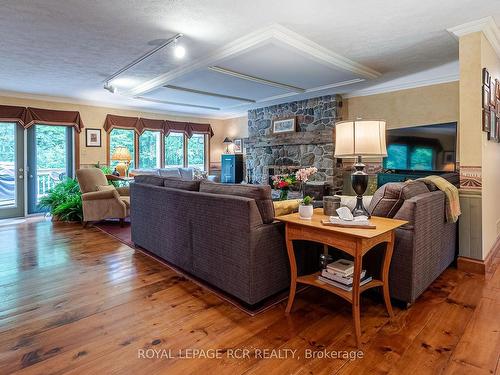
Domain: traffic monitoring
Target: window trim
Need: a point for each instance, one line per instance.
(207, 140)
(162, 147)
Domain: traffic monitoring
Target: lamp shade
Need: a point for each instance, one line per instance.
(121, 153)
(360, 138)
(227, 141)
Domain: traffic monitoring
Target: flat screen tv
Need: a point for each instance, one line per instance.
(422, 148)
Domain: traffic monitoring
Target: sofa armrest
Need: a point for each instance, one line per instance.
(95, 195)
(124, 191)
(418, 245)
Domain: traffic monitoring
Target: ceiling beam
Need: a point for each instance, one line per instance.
(175, 103)
(263, 81)
(207, 93)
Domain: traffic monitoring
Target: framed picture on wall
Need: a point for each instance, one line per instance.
(284, 125)
(238, 146)
(448, 157)
(486, 120)
(493, 92)
(486, 97)
(494, 131)
(92, 137)
(486, 77)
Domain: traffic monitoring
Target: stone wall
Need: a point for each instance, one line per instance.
(312, 144)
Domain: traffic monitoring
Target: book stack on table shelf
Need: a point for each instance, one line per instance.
(340, 274)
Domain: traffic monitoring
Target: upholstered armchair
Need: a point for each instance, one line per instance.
(99, 199)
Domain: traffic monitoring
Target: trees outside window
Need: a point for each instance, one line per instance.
(122, 138)
(150, 149)
(196, 151)
(174, 150)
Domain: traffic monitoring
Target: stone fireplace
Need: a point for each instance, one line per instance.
(312, 145)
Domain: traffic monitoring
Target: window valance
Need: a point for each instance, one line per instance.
(27, 116)
(121, 122)
(9, 113)
(166, 126)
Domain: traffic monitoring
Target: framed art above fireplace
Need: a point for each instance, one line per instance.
(284, 125)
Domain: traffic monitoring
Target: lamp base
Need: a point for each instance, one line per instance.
(359, 180)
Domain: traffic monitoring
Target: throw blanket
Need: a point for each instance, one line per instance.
(452, 198)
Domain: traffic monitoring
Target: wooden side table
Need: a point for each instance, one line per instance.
(355, 242)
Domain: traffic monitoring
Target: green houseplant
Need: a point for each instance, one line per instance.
(64, 201)
(306, 208)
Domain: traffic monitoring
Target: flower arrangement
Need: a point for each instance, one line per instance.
(304, 174)
(283, 183)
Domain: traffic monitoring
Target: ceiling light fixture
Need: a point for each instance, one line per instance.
(109, 87)
(174, 39)
(179, 51)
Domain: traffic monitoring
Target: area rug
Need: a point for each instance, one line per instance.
(123, 235)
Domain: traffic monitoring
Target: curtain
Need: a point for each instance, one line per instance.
(9, 113)
(121, 122)
(53, 117)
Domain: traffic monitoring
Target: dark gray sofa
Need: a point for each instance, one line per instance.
(229, 241)
(425, 246)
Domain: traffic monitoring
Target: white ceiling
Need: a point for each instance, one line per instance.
(65, 48)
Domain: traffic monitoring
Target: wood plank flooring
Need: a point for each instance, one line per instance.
(77, 301)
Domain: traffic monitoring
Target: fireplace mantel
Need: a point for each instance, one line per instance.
(298, 138)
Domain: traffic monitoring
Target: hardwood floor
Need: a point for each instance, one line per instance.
(77, 301)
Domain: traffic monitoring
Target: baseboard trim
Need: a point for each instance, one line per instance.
(478, 266)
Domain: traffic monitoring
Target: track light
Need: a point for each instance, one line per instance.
(109, 87)
(179, 51)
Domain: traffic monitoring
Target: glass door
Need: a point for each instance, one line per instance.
(50, 160)
(11, 170)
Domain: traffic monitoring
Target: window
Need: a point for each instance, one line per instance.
(174, 150)
(150, 149)
(196, 151)
(122, 138)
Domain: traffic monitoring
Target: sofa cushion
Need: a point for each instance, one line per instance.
(186, 173)
(169, 172)
(149, 179)
(261, 194)
(176, 183)
(389, 198)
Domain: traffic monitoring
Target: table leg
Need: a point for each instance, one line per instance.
(385, 274)
(293, 272)
(356, 295)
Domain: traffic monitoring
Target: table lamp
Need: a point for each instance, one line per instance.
(122, 154)
(356, 139)
(227, 141)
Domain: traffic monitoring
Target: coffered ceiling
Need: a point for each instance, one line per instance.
(240, 54)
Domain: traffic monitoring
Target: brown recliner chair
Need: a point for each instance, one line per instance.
(99, 199)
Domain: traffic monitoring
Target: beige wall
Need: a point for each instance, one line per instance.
(233, 128)
(476, 53)
(418, 106)
(491, 160)
(93, 117)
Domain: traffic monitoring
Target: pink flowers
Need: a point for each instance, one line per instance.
(303, 174)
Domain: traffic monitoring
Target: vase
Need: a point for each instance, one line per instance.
(283, 194)
(306, 211)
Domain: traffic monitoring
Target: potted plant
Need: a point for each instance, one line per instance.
(64, 201)
(283, 184)
(306, 208)
(303, 175)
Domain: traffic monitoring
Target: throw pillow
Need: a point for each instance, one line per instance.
(199, 175)
(286, 207)
(186, 174)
